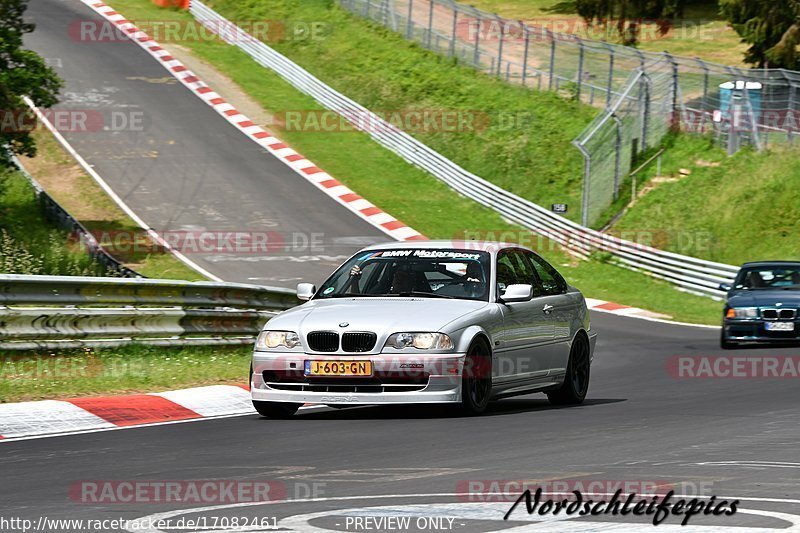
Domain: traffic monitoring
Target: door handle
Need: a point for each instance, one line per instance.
(547, 309)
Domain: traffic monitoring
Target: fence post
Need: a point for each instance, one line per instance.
(430, 24)
(580, 67)
(675, 81)
(525, 53)
(410, 20)
(476, 58)
(617, 154)
(790, 106)
(704, 101)
(611, 57)
(587, 169)
(552, 57)
(367, 5)
(645, 104)
(455, 30)
(500, 46)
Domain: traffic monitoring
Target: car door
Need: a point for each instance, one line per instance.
(523, 354)
(559, 309)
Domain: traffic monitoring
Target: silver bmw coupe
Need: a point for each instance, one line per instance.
(427, 322)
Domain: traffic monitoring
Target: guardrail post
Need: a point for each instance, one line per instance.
(552, 65)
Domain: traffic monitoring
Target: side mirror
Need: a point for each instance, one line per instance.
(305, 291)
(725, 287)
(517, 293)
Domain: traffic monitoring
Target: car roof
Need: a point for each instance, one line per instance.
(770, 263)
(480, 246)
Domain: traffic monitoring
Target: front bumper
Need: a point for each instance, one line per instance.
(279, 377)
(755, 331)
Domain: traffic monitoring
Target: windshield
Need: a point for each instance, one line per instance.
(769, 277)
(426, 273)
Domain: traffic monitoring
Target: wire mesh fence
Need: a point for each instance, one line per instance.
(642, 94)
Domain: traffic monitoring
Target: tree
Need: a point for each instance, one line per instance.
(627, 16)
(22, 73)
(770, 27)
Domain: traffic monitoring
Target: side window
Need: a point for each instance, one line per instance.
(512, 269)
(506, 273)
(551, 281)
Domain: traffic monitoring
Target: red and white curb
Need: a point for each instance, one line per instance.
(635, 312)
(302, 166)
(618, 309)
(44, 418)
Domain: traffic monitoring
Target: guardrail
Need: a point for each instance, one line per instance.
(49, 312)
(696, 275)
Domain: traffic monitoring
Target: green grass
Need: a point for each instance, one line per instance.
(702, 32)
(29, 243)
(401, 189)
(728, 209)
(33, 376)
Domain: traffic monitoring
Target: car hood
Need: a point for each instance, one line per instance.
(381, 315)
(764, 297)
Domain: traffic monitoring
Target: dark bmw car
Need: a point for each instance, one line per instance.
(763, 305)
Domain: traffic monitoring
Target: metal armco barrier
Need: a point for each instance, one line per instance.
(696, 275)
(63, 312)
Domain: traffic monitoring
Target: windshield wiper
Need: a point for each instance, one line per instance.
(422, 293)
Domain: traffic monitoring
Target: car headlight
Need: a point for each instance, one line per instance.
(420, 341)
(742, 312)
(268, 339)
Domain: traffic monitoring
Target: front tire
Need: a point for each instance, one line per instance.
(476, 379)
(279, 410)
(725, 344)
(576, 382)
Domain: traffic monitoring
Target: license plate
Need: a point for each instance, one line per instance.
(779, 326)
(338, 368)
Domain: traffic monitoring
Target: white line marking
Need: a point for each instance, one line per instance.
(117, 200)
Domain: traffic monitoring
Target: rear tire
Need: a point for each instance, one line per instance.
(576, 382)
(476, 379)
(279, 410)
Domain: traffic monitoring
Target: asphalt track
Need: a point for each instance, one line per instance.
(181, 167)
(640, 424)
